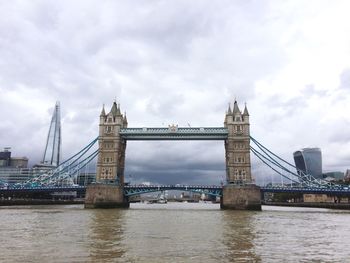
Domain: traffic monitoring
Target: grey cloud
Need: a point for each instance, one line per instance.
(166, 62)
(279, 107)
(340, 134)
(175, 162)
(310, 90)
(345, 79)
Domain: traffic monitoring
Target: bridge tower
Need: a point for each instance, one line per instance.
(239, 191)
(111, 158)
(237, 146)
(109, 188)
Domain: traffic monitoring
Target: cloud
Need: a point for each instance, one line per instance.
(345, 79)
(176, 62)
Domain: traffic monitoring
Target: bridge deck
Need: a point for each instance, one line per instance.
(175, 133)
(212, 190)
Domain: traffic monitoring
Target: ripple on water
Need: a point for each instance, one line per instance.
(173, 233)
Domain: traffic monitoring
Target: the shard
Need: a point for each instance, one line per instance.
(52, 153)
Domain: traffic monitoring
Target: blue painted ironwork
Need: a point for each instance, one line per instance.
(175, 133)
(301, 183)
(66, 170)
(210, 190)
(130, 190)
(291, 172)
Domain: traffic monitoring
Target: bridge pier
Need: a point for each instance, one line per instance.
(241, 197)
(108, 192)
(105, 196)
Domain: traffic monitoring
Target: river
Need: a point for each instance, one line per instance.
(173, 232)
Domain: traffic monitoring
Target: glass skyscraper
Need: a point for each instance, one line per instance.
(309, 161)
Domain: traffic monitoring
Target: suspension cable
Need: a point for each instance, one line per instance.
(260, 156)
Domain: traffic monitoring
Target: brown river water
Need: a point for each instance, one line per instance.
(173, 232)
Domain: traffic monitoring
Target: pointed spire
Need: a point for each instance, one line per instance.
(235, 108)
(245, 113)
(229, 111)
(103, 112)
(118, 109)
(125, 120)
(114, 109)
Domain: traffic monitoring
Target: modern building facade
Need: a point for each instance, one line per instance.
(309, 161)
(13, 169)
(333, 176)
(5, 157)
(84, 179)
(6, 160)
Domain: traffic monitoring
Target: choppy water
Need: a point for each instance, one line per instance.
(173, 232)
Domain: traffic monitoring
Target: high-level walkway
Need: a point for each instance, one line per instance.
(175, 133)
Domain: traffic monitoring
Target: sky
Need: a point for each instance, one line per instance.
(178, 62)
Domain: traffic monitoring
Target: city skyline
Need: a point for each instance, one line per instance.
(289, 61)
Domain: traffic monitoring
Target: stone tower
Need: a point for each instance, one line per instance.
(111, 157)
(237, 146)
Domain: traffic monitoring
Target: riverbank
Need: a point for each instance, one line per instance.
(15, 202)
(345, 206)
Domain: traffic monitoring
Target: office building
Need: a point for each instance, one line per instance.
(309, 161)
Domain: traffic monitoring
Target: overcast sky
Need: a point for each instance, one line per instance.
(178, 62)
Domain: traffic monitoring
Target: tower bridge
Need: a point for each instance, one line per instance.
(239, 191)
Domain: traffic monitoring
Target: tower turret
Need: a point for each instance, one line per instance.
(125, 121)
(118, 110)
(236, 110)
(229, 111)
(103, 112)
(114, 109)
(245, 113)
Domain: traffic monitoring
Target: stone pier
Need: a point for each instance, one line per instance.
(241, 197)
(105, 196)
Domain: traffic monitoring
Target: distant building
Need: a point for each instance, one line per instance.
(13, 169)
(7, 161)
(19, 162)
(5, 157)
(333, 176)
(309, 161)
(53, 148)
(12, 175)
(347, 175)
(84, 179)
